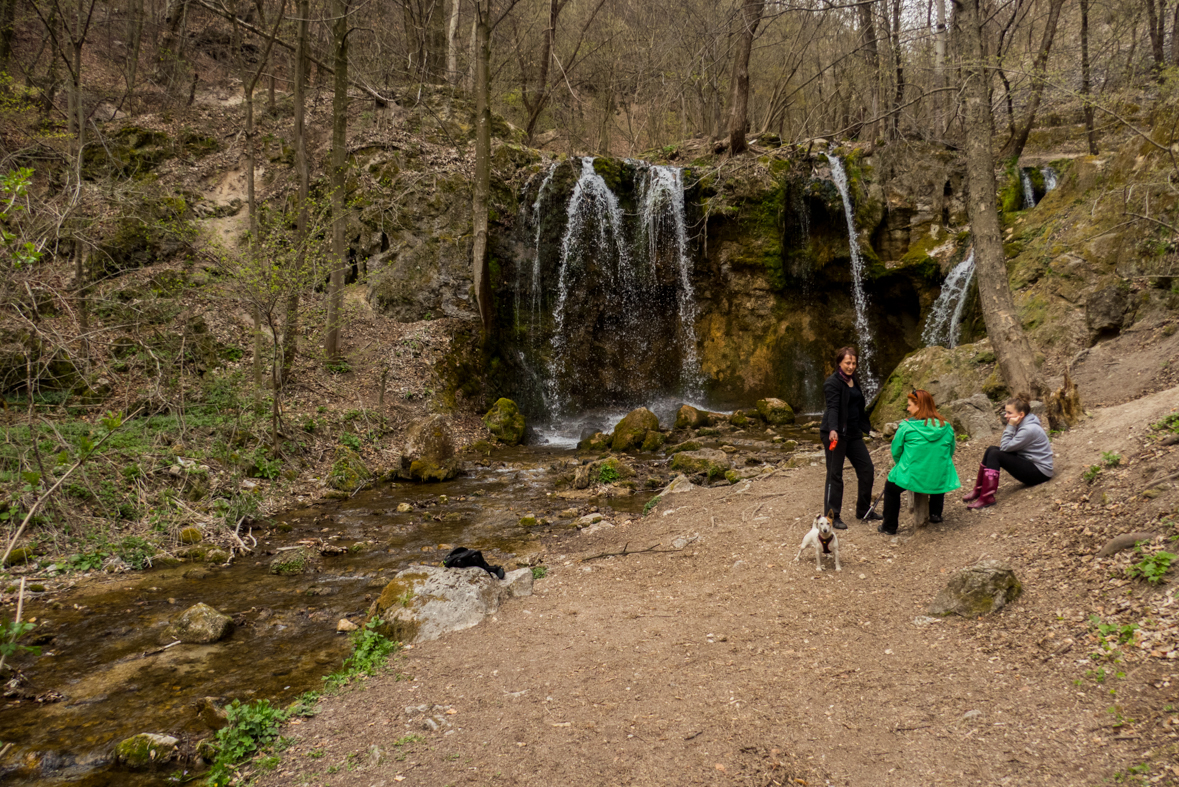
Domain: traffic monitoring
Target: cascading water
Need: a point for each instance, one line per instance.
(1049, 178)
(535, 299)
(1029, 194)
(665, 228)
(863, 330)
(944, 324)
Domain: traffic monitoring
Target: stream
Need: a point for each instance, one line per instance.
(104, 675)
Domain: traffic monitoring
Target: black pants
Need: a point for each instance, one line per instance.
(855, 452)
(1021, 469)
(892, 506)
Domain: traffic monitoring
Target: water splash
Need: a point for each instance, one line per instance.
(944, 324)
(593, 233)
(863, 331)
(665, 228)
(1050, 181)
(1029, 194)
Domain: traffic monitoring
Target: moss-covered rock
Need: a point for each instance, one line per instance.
(146, 750)
(19, 556)
(429, 454)
(948, 374)
(653, 441)
(632, 430)
(775, 411)
(598, 441)
(199, 624)
(977, 590)
(739, 419)
(348, 471)
(293, 562)
(710, 462)
(191, 535)
(505, 421)
(689, 445)
(689, 417)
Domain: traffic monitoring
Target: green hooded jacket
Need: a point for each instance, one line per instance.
(924, 456)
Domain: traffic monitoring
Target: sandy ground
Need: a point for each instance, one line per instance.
(727, 662)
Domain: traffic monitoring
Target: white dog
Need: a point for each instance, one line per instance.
(823, 539)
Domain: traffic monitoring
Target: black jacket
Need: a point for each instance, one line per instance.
(837, 393)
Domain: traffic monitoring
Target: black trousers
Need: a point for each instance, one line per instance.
(1021, 469)
(892, 506)
(857, 453)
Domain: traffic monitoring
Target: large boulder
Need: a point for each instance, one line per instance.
(987, 586)
(948, 374)
(429, 453)
(424, 602)
(145, 750)
(975, 416)
(632, 430)
(689, 417)
(505, 421)
(775, 411)
(199, 624)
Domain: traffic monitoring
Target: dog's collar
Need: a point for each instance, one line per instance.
(826, 542)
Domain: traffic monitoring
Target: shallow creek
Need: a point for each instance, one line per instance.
(104, 675)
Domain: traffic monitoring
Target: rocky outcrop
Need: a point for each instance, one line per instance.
(689, 417)
(429, 453)
(948, 374)
(1105, 312)
(199, 624)
(424, 602)
(505, 421)
(976, 590)
(974, 416)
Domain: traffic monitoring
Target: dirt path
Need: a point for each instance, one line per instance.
(728, 663)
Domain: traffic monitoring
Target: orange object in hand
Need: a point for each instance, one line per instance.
(833, 444)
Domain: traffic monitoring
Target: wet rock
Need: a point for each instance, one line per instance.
(145, 750)
(976, 590)
(528, 521)
(689, 417)
(199, 624)
(216, 556)
(739, 419)
(348, 471)
(404, 508)
(598, 441)
(292, 562)
(653, 441)
(191, 535)
(344, 626)
(974, 416)
(678, 485)
(211, 713)
(505, 421)
(429, 452)
(632, 430)
(775, 411)
(208, 749)
(690, 445)
(424, 602)
(518, 583)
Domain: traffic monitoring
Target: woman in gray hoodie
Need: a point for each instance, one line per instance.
(1023, 451)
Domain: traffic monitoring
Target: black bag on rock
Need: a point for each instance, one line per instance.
(461, 557)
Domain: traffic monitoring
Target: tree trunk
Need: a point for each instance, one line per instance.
(899, 64)
(1004, 328)
(1090, 130)
(452, 74)
(290, 337)
(331, 344)
(751, 13)
(939, 70)
(1015, 147)
(135, 35)
(872, 59)
(81, 288)
(481, 199)
(1156, 28)
(7, 28)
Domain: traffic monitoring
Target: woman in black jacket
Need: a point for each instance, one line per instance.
(845, 422)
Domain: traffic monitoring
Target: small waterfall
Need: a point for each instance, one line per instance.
(944, 324)
(534, 312)
(593, 208)
(1029, 194)
(1049, 178)
(863, 330)
(665, 228)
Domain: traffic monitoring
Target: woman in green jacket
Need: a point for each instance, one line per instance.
(923, 450)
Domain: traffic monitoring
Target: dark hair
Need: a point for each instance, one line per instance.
(925, 406)
(1020, 403)
(843, 352)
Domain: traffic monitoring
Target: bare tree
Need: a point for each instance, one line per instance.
(1016, 143)
(751, 12)
(331, 343)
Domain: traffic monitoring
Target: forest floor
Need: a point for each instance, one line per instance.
(728, 662)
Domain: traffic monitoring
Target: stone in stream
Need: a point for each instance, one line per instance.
(293, 561)
(199, 624)
(429, 453)
(976, 590)
(775, 411)
(145, 750)
(424, 602)
(689, 417)
(632, 430)
(505, 421)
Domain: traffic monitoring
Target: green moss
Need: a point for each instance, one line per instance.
(653, 441)
(348, 471)
(505, 421)
(610, 170)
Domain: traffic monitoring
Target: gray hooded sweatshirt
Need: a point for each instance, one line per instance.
(1029, 440)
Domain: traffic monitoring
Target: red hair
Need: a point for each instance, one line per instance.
(925, 407)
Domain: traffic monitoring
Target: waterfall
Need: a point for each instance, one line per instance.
(665, 228)
(593, 208)
(1049, 178)
(534, 312)
(863, 331)
(1029, 195)
(944, 324)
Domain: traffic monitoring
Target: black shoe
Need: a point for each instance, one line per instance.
(499, 572)
(935, 519)
(838, 524)
(881, 529)
(871, 516)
